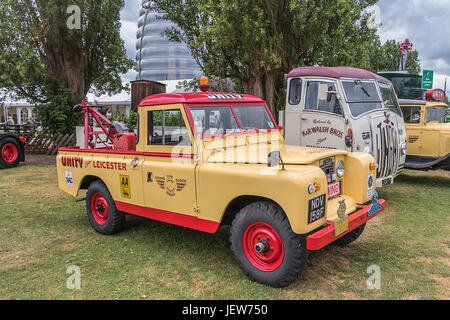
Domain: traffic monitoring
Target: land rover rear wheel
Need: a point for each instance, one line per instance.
(265, 247)
(101, 209)
(351, 236)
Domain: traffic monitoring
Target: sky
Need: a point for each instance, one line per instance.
(425, 22)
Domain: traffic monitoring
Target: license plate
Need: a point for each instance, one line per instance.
(341, 226)
(316, 209)
(334, 189)
(386, 182)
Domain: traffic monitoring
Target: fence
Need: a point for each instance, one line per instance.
(47, 144)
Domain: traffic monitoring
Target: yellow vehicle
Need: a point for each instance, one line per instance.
(428, 134)
(202, 160)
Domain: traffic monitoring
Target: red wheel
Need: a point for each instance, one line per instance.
(102, 211)
(9, 153)
(263, 247)
(99, 207)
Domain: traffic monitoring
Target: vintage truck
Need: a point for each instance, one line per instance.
(202, 160)
(347, 109)
(428, 132)
(12, 150)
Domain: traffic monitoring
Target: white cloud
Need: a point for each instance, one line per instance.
(427, 25)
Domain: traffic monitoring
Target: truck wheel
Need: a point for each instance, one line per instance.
(351, 236)
(265, 247)
(101, 209)
(9, 153)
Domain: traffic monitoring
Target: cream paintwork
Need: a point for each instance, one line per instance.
(297, 120)
(215, 178)
(433, 137)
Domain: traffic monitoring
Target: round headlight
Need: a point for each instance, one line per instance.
(404, 148)
(340, 170)
(312, 189)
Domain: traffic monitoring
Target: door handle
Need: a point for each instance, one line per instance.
(149, 177)
(303, 118)
(135, 163)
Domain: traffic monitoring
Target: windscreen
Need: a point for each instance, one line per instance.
(211, 120)
(435, 114)
(389, 98)
(253, 118)
(214, 120)
(362, 96)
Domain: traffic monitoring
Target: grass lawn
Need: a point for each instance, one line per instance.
(43, 232)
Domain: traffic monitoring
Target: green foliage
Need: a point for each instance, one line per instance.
(57, 116)
(254, 43)
(387, 57)
(131, 119)
(37, 48)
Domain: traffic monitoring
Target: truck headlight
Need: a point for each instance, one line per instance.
(340, 170)
(404, 148)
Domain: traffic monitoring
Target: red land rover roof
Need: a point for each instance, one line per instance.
(198, 98)
(336, 73)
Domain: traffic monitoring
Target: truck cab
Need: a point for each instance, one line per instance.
(346, 109)
(428, 134)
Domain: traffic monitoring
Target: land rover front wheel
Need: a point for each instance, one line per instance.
(265, 247)
(101, 209)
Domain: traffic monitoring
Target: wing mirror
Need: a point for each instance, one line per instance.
(330, 95)
(274, 159)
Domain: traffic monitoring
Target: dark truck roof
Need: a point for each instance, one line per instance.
(336, 73)
(411, 102)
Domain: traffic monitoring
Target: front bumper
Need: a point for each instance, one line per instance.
(326, 236)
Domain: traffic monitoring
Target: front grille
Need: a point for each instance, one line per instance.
(388, 152)
(328, 167)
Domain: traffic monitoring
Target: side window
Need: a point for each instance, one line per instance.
(411, 114)
(295, 91)
(321, 96)
(167, 128)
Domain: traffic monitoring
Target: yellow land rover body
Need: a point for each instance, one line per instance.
(203, 160)
(428, 134)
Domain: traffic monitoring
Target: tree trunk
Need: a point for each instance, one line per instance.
(263, 87)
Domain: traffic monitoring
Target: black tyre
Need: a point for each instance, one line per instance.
(10, 153)
(351, 236)
(265, 247)
(101, 209)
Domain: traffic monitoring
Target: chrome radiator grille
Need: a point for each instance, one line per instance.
(388, 152)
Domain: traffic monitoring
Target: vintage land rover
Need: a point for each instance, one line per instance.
(346, 109)
(202, 160)
(428, 132)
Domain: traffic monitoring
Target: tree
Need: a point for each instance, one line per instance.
(254, 43)
(42, 48)
(387, 57)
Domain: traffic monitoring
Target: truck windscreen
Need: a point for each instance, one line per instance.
(253, 118)
(389, 99)
(210, 121)
(362, 96)
(435, 114)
